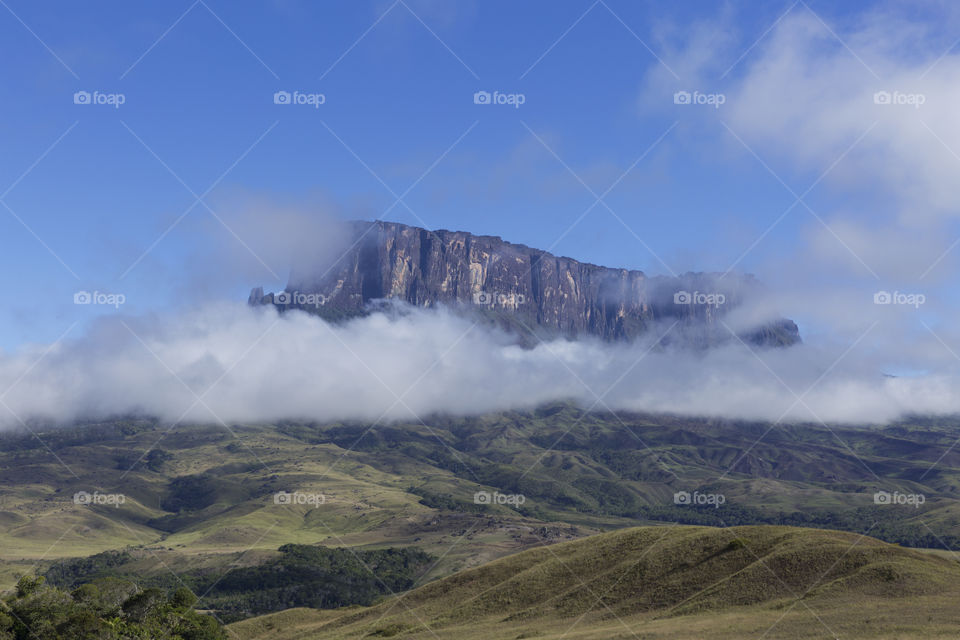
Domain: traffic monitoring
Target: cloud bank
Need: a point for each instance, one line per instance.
(234, 363)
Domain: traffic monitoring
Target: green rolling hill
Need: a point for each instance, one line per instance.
(199, 500)
(665, 582)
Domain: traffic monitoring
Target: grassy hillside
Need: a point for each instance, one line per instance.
(199, 499)
(207, 501)
(665, 582)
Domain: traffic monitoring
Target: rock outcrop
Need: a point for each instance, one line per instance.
(527, 290)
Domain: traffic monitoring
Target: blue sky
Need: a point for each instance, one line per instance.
(94, 187)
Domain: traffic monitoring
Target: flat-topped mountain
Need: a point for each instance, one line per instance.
(520, 288)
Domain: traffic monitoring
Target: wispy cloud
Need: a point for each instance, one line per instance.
(257, 366)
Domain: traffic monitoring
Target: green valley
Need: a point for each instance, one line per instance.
(208, 506)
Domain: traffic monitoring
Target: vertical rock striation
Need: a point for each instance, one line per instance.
(519, 288)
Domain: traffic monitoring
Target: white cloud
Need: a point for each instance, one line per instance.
(251, 364)
(809, 98)
(805, 100)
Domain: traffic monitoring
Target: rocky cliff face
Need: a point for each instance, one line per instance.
(519, 288)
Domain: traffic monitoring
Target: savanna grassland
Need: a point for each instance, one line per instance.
(397, 512)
